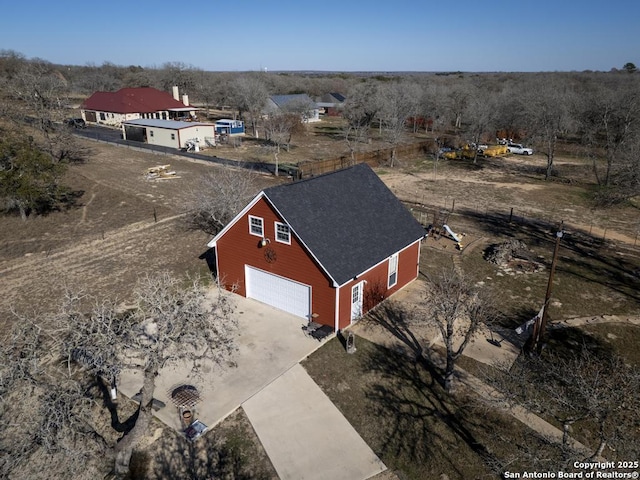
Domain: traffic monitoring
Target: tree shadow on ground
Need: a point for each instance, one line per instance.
(209, 256)
(567, 342)
(335, 133)
(119, 426)
(214, 455)
(581, 256)
(70, 199)
(422, 423)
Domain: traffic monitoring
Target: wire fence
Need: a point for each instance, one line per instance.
(595, 233)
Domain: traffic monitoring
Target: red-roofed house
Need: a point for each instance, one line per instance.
(114, 108)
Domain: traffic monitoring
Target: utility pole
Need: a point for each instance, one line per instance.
(539, 328)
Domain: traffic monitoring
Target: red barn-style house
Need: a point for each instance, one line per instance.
(326, 249)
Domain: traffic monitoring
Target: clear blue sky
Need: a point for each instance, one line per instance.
(347, 35)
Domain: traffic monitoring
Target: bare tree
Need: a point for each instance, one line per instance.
(218, 197)
(481, 113)
(46, 412)
(11, 62)
(399, 102)
(360, 109)
(434, 107)
(457, 308)
(605, 389)
(167, 324)
(548, 116)
(610, 117)
(355, 134)
(250, 95)
(458, 97)
(625, 180)
(42, 89)
(39, 95)
(581, 386)
(278, 130)
(47, 370)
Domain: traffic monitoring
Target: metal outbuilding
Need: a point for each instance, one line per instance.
(169, 133)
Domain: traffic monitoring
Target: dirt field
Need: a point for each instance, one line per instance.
(123, 226)
(514, 182)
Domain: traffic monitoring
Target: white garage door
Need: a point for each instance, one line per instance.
(279, 292)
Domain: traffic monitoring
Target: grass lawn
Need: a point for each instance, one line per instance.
(420, 432)
(408, 420)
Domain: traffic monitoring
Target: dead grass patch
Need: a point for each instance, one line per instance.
(417, 429)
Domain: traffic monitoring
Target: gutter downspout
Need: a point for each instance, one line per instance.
(337, 311)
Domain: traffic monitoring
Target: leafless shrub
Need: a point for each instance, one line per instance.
(582, 390)
(218, 198)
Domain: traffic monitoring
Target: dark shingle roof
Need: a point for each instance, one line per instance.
(348, 219)
(132, 100)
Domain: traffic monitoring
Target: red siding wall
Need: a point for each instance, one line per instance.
(238, 248)
(376, 279)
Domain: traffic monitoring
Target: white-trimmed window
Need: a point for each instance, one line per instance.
(283, 233)
(393, 270)
(256, 226)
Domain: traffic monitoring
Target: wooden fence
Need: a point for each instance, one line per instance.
(374, 158)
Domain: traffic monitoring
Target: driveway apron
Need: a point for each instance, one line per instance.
(305, 435)
(269, 343)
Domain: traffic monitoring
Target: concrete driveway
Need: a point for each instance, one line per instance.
(270, 342)
(305, 435)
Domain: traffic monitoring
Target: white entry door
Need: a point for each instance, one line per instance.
(279, 292)
(356, 301)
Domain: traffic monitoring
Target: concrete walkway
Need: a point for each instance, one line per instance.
(305, 435)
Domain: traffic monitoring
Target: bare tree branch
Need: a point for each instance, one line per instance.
(218, 198)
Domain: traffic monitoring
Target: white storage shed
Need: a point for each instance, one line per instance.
(169, 133)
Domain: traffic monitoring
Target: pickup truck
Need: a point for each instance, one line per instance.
(519, 149)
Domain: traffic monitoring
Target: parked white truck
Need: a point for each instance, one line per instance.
(519, 149)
